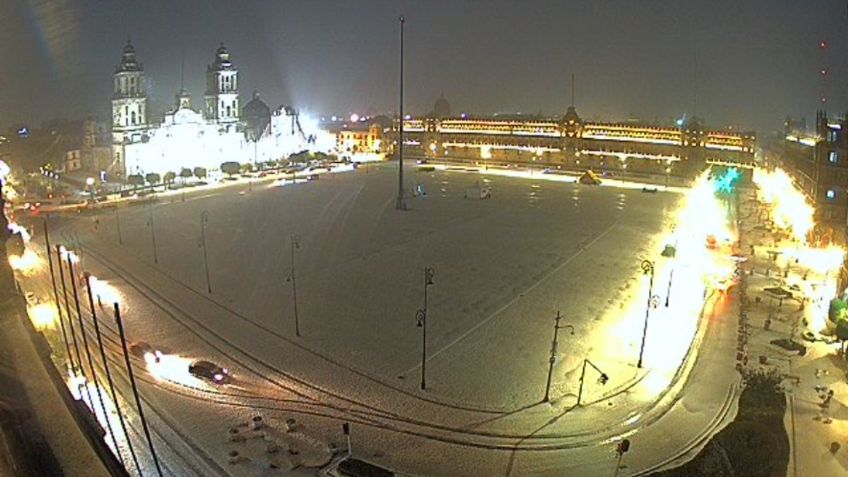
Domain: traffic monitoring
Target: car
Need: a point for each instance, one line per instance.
(146, 351)
(209, 371)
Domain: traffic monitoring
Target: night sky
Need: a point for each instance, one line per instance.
(753, 61)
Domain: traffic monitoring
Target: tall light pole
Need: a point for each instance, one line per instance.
(204, 218)
(68, 313)
(421, 322)
(401, 200)
(146, 429)
(647, 269)
(109, 380)
(153, 235)
(56, 294)
(668, 292)
(90, 361)
(118, 226)
(295, 243)
(552, 359)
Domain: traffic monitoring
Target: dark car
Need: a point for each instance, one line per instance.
(146, 351)
(209, 371)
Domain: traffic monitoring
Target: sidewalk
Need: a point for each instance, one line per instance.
(770, 319)
(42, 400)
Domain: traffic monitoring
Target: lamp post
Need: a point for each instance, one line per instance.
(90, 361)
(109, 379)
(603, 378)
(131, 376)
(552, 359)
(89, 182)
(56, 294)
(118, 226)
(79, 369)
(668, 292)
(401, 200)
(647, 269)
(295, 243)
(153, 235)
(421, 322)
(204, 218)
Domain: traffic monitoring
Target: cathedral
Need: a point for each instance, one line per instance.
(186, 138)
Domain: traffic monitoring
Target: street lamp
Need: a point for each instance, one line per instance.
(552, 359)
(421, 322)
(602, 379)
(295, 243)
(647, 269)
(118, 226)
(204, 218)
(153, 235)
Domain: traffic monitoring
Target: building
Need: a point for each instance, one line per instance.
(570, 142)
(186, 138)
(818, 163)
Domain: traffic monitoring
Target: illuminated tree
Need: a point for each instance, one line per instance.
(230, 168)
(135, 180)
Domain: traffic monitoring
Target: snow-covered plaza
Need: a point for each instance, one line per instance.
(503, 268)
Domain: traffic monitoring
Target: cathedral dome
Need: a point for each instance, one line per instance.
(257, 116)
(442, 108)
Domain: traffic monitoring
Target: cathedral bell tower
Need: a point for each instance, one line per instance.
(222, 102)
(129, 107)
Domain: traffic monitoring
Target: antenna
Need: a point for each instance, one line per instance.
(695, 87)
(572, 90)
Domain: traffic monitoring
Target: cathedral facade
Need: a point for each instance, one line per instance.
(186, 138)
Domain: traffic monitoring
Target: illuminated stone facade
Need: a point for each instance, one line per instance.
(186, 138)
(572, 143)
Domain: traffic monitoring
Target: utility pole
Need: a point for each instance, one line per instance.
(552, 359)
(135, 389)
(421, 319)
(71, 322)
(295, 243)
(153, 235)
(91, 362)
(109, 379)
(118, 226)
(647, 269)
(668, 292)
(56, 295)
(401, 200)
(204, 218)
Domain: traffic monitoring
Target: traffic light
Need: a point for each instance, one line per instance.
(623, 446)
(603, 379)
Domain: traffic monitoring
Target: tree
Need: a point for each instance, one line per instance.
(135, 180)
(200, 172)
(153, 178)
(169, 177)
(230, 168)
(842, 332)
(185, 173)
(245, 168)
